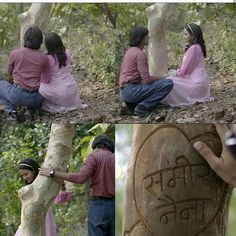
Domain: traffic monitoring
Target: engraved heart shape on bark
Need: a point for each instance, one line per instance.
(175, 192)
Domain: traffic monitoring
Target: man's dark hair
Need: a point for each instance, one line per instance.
(136, 36)
(56, 48)
(33, 38)
(102, 141)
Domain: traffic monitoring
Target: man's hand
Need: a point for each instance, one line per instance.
(45, 171)
(224, 166)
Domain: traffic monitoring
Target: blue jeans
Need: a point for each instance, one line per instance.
(13, 96)
(147, 95)
(101, 218)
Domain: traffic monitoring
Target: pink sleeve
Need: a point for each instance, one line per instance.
(143, 69)
(86, 171)
(190, 59)
(62, 196)
(68, 56)
(46, 75)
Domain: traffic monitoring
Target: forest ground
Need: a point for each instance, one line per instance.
(104, 106)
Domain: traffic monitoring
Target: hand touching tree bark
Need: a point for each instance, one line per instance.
(225, 165)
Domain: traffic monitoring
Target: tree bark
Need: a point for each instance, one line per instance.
(170, 189)
(158, 16)
(36, 15)
(38, 196)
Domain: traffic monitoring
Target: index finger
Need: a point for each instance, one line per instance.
(221, 130)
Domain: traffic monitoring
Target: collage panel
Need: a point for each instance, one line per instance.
(57, 62)
(175, 179)
(57, 180)
(178, 63)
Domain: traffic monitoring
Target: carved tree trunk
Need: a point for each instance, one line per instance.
(36, 15)
(170, 189)
(38, 196)
(158, 17)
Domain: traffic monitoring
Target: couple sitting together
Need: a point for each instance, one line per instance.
(38, 79)
(142, 92)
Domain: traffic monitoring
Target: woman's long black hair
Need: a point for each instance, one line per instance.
(196, 33)
(56, 48)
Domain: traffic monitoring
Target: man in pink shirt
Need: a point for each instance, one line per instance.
(25, 67)
(99, 168)
(140, 91)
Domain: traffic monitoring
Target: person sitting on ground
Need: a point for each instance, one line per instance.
(58, 86)
(25, 67)
(140, 91)
(29, 169)
(191, 82)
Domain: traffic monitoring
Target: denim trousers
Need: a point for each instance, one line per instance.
(101, 218)
(147, 95)
(12, 96)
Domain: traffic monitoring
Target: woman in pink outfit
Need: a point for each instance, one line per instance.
(191, 82)
(28, 169)
(58, 86)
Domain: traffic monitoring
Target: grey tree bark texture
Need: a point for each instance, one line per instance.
(37, 197)
(158, 15)
(37, 15)
(170, 189)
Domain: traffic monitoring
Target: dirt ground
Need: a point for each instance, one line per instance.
(221, 110)
(104, 105)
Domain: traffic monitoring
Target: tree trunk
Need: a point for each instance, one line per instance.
(36, 15)
(158, 17)
(170, 189)
(38, 196)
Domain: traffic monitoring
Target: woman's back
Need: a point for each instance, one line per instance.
(61, 93)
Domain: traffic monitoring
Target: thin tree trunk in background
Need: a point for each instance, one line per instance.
(158, 16)
(170, 189)
(20, 7)
(37, 15)
(38, 196)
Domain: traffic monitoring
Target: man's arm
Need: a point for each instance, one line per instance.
(144, 70)
(224, 166)
(85, 172)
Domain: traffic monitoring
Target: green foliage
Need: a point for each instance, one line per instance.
(30, 141)
(219, 28)
(92, 44)
(17, 142)
(99, 32)
(9, 25)
(84, 145)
